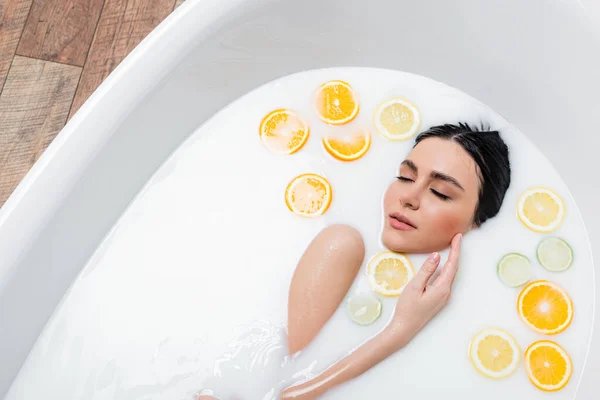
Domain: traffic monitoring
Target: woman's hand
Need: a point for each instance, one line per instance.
(421, 300)
(418, 304)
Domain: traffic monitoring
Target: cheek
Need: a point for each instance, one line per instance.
(448, 219)
(450, 224)
(389, 196)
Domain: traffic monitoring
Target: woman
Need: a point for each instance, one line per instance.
(453, 180)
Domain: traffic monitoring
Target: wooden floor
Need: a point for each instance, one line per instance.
(53, 55)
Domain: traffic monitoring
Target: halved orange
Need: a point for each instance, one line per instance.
(545, 307)
(548, 365)
(308, 195)
(283, 131)
(337, 103)
(348, 148)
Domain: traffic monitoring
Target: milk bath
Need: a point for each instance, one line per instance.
(189, 289)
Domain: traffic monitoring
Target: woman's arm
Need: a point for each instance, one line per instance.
(417, 305)
(323, 276)
(387, 342)
(321, 279)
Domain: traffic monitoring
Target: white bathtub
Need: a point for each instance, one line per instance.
(536, 62)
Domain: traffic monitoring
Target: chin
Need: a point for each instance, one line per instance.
(408, 242)
(397, 241)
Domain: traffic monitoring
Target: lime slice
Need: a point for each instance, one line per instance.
(514, 270)
(554, 254)
(364, 309)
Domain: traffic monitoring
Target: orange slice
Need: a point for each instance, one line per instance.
(389, 273)
(283, 131)
(308, 195)
(545, 307)
(494, 353)
(337, 104)
(348, 148)
(541, 209)
(548, 365)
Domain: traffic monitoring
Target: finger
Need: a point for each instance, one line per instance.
(451, 267)
(427, 270)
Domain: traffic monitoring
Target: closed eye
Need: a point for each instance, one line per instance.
(435, 192)
(440, 195)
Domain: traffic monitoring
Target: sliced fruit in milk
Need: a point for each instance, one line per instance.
(348, 147)
(548, 365)
(554, 254)
(363, 308)
(541, 209)
(514, 270)
(494, 353)
(397, 119)
(389, 273)
(336, 102)
(308, 195)
(283, 131)
(545, 307)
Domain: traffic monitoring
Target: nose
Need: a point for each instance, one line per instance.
(410, 197)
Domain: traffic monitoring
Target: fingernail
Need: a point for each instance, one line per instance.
(433, 257)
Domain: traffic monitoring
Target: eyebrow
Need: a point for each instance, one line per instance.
(434, 175)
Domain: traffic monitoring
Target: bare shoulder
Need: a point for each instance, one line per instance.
(321, 279)
(342, 237)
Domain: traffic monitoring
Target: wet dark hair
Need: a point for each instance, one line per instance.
(490, 153)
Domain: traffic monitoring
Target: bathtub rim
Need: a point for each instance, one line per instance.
(94, 124)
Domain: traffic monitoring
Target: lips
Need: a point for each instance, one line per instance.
(401, 222)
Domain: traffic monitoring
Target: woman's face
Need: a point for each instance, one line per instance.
(433, 199)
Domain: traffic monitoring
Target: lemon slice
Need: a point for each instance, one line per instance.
(308, 195)
(541, 209)
(389, 273)
(397, 119)
(494, 353)
(364, 309)
(554, 254)
(548, 365)
(514, 270)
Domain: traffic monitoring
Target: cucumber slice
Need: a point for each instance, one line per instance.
(514, 269)
(364, 309)
(554, 254)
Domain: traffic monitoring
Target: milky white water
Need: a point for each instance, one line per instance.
(189, 290)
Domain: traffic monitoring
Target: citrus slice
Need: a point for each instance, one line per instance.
(283, 131)
(397, 119)
(494, 353)
(541, 209)
(514, 270)
(389, 273)
(348, 148)
(548, 365)
(364, 309)
(554, 254)
(337, 104)
(545, 307)
(308, 195)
